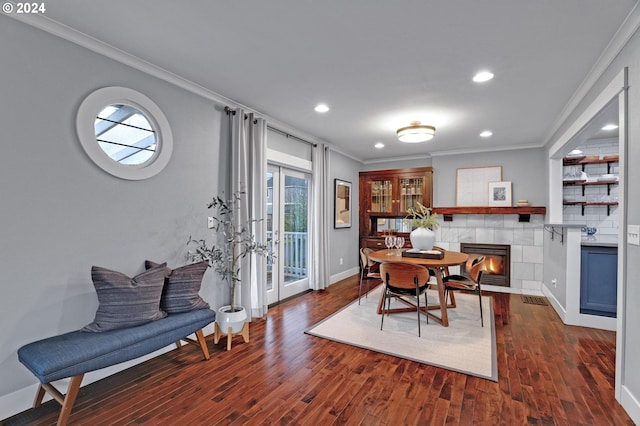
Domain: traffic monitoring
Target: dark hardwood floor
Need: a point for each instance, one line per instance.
(549, 374)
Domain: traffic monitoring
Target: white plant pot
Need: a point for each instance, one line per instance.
(226, 318)
(422, 238)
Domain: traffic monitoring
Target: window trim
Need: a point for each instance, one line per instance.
(96, 102)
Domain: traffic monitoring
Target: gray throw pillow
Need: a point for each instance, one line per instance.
(181, 287)
(124, 301)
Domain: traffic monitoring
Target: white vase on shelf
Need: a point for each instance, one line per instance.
(422, 238)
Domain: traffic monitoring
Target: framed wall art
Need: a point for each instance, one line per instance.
(342, 204)
(500, 194)
(471, 184)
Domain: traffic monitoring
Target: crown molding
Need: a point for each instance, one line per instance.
(487, 149)
(389, 159)
(44, 23)
(615, 46)
(79, 38)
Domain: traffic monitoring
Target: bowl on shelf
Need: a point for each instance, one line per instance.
(589, 230)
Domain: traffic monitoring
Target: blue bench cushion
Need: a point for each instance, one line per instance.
(79, 352)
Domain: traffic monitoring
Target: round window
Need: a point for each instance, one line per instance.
(124, 133)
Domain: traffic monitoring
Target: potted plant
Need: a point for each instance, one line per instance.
(234, 242)
(424, 222)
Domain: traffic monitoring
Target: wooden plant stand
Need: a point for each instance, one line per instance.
(217, 334)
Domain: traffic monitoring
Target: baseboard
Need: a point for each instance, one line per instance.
(344, 275)
(501, 289)
(562, 313)
(631, 404)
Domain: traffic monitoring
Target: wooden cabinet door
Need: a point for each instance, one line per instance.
(390, 193)
(381, 195)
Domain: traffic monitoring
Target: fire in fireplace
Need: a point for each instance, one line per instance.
(497, 265)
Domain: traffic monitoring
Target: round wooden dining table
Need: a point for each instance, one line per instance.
(438, 266)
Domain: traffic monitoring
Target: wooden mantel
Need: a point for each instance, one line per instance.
(524, 213)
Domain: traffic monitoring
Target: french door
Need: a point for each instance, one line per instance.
(287, 232)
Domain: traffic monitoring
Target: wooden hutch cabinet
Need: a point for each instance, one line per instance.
(386, 195)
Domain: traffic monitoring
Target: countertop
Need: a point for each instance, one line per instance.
(600, 240)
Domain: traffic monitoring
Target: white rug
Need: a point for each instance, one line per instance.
(465, 346)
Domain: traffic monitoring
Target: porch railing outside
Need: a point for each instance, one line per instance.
(295, 254)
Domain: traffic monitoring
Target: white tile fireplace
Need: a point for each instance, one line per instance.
(524, 238)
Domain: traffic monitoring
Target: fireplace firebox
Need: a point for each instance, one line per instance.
(497, 269)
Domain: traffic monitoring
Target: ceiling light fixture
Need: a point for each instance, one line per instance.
(610, 127)
(321, 108)
(486, 134)
(416, 132)
(483, 76)
(379, 145)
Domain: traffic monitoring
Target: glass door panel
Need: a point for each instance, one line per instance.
(381, 196)
(410, 193)
(287, 224)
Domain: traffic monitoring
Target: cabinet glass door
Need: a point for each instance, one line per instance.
(381, 196)
(410, 193)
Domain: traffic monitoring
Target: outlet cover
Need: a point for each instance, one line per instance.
(210, 222)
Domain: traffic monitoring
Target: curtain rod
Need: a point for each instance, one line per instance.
(230, 111)
(291, 136)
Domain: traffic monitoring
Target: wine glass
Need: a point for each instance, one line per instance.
(399, 243)
(389, 241)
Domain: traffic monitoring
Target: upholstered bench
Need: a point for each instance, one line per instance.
(78, 352)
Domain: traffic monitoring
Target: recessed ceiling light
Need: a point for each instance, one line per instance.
(486, 134)
(610, 127)
(321, 108)
(482, 76)
(379, 145)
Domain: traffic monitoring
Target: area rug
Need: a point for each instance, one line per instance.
(465, 346)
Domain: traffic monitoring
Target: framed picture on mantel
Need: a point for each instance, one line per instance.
(471, 185)
(500, 194)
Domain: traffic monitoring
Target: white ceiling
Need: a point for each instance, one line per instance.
(378, 64)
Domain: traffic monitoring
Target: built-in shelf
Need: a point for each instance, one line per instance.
(609, 204)
(581, 161)
(584, 183)
(524, 213)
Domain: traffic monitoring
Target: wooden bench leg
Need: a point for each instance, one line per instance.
(39, 395)
(66, 401)
(200, 342)
(203, 343)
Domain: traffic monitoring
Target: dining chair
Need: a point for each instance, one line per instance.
(475, 267)
(368, 270)
(402, 279)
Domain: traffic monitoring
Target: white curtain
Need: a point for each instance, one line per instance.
(248, 175)
(321, 215)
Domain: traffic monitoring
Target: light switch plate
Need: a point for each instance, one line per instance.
(633, 234)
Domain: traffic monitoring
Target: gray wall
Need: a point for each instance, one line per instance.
(61, 214)
(525, 168)
(344, 242)
(629, 57)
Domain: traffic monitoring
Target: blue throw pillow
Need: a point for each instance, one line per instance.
(181, 287)
(124, 301)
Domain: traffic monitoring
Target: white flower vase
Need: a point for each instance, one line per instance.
(422, 238)
(227, 318)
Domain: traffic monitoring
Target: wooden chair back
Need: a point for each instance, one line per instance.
(403, 274)
(475, 267)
